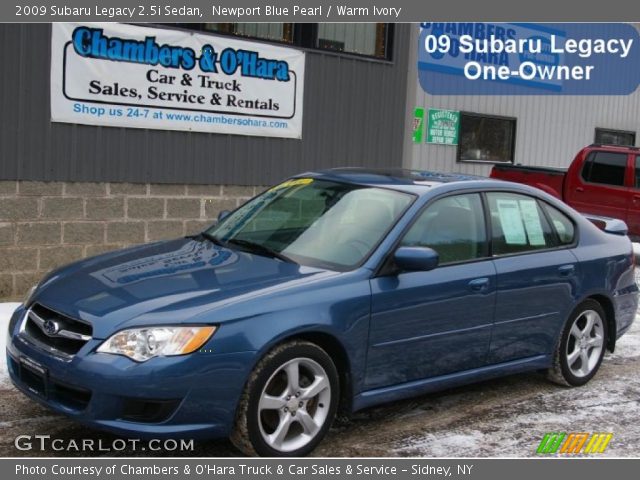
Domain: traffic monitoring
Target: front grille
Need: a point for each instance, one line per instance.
(54, 332)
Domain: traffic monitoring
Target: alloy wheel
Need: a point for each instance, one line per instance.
(294, 404)
(585, 343)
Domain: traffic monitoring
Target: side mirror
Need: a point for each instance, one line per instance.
(416, 259)
(223, 214)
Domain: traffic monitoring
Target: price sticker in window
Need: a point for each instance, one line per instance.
(532, 223)
(511, 221)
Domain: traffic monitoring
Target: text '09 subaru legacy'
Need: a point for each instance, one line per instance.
(331, 292)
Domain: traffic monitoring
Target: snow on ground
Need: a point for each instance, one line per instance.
(6, 309)
(513, 427)
(629, 345)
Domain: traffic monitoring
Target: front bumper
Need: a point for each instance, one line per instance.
(198, 393)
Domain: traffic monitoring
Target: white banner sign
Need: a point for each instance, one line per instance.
(129, 76)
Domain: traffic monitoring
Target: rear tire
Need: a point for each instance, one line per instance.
(288, 403)
(581, 346)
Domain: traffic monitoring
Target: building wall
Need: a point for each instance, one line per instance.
(354, 115)
(549, 129)
(72, 191)
(44, 225)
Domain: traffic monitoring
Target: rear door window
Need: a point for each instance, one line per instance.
(518, 224)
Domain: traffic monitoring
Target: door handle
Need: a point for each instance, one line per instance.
(567, 270)
(579, 189)
(479, 284)
(636, 198)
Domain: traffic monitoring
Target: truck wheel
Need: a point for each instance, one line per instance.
(288, 403)
(581, 346)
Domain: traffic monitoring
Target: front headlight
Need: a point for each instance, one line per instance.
(141, 344)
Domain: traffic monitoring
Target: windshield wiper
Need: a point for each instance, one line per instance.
(208, 236)
(258, 249)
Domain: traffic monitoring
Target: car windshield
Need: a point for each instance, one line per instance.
(314, 222)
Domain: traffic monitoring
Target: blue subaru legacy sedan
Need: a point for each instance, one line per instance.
(331, 292)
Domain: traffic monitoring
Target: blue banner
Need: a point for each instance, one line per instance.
(528, 59)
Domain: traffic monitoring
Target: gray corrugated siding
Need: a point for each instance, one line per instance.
(354, 113)
(549, 129)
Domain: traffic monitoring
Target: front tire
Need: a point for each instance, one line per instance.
(288, 403)
(580, 350)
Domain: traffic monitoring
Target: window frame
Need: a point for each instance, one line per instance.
(614, 131)
(557, 246)
(386, 43)
(305, 38)
(589, 161)
(334, 267)
(514, 120)
(486, 247)
(387, 266)
(201, 27)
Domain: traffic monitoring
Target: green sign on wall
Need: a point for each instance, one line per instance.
(418, 124)
(443, 126)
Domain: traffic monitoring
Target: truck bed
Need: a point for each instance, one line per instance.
(548, 179)
(531, 169)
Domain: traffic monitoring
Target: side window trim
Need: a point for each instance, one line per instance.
(488, 223)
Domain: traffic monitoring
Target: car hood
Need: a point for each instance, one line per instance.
(176, 279)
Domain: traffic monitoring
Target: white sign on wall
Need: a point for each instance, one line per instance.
(130, 76)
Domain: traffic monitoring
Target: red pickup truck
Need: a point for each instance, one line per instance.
(602, 180)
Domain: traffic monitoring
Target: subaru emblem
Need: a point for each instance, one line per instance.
(51, 327)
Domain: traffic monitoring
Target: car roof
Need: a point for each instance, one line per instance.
(413, 181)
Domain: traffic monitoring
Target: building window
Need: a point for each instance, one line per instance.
(605, 167)
(278, 32)
(360, 38)
(605, 136)
(486, 138)
(364, 39)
